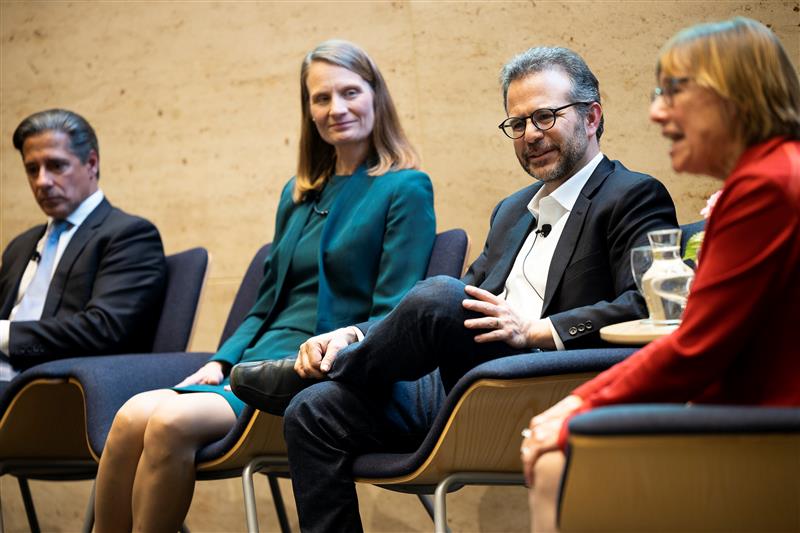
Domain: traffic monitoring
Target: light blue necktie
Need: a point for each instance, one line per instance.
(30, 308)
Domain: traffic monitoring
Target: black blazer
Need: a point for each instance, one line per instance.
(589, 284)
(105, 296)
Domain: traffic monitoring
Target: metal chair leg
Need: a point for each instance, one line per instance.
(440, 505)
(277, 499)
(249, 497)
(466, 478)
(30, 509)
(427, 502)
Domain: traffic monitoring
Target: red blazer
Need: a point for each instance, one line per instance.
(739, 342)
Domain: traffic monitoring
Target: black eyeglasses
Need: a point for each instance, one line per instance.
(668, 89)
(542, 119)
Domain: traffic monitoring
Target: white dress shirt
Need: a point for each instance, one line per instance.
(527, 281)
(75, 219)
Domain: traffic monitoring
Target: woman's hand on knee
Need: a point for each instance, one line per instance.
(210, 373)
(541, 436)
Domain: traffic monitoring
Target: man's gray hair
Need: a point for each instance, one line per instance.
(585, 87)
(82, 139)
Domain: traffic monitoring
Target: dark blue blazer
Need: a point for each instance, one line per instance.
(375, 245)
(589, 284)
(105, 296)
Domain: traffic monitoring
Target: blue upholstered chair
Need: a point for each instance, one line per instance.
(674, 467)
(256, 442)
(469, 444)
(54, 417)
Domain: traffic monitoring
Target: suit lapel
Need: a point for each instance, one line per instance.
(17, 269)
(498, 275)
(572, 232)
(58, 285)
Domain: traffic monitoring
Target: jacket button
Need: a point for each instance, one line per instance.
(573, 330)
(581, 328)
(588, 324)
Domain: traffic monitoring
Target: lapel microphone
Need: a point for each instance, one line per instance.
(545, 231)
(36, 256)
(315, 202)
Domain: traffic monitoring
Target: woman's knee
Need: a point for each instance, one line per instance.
(187, 421)
(128, 427)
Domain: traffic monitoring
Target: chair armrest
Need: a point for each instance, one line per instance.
(109, 381)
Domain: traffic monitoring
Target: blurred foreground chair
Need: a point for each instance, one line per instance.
(54, 417)
(670, 467)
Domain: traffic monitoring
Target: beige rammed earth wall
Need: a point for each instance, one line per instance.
(196, 107)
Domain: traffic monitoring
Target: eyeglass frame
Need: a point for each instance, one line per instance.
(669, 89)
(525, 118)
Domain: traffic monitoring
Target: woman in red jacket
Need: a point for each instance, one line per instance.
(728, 98)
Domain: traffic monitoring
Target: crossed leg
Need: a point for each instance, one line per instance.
(146, 476)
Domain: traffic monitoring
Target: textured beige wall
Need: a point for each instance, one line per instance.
(196, 106)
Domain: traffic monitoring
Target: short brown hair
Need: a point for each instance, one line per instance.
(745, 64)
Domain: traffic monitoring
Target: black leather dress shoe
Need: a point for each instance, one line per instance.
(268, 385)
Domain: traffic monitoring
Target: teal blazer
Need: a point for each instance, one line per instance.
(375, 245)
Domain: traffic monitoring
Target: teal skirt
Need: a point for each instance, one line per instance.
(274, 344)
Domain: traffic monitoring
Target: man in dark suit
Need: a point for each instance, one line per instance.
(91, 280)
(554, 270)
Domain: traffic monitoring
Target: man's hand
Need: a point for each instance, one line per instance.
(209, 374)
(506, 324)
(541, 436)
(316, 355)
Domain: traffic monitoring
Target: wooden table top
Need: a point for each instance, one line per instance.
(634, 332)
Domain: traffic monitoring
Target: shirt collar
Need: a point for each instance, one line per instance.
(567, 193)
(86, 207)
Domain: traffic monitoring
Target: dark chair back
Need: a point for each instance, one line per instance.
(246, 295)
(449, 254)
(186, 275)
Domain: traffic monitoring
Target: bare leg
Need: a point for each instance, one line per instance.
(162, 491)
(543, 496)
(120, 459)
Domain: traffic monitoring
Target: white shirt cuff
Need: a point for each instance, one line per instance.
(556, 338)
(5, 326)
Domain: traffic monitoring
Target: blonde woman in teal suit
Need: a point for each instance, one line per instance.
(353, 233)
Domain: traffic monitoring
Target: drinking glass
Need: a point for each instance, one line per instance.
(641, 260)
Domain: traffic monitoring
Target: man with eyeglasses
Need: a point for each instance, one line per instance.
(554, 270)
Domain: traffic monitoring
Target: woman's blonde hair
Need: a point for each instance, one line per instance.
(390, 148)
(744, 63)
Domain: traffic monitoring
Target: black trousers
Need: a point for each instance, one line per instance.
(383, 396)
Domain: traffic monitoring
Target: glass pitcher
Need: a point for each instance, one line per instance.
(666, 283)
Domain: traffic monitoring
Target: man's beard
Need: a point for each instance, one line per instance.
(571, 152)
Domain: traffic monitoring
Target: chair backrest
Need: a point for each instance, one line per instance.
(246, 295)
(186, 275)
(449, 254)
